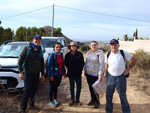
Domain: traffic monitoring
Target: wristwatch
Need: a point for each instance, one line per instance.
(130, 66)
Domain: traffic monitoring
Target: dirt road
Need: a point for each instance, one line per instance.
(138, 99)
(138, 94)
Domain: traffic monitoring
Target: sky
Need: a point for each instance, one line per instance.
(80, 20)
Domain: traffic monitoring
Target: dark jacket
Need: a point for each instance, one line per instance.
(55, 72)
(74, 64)
(31, 65)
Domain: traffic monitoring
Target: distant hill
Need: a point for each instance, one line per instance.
(48, 29)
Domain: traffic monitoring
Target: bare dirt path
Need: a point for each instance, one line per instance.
(138, 94)
(138, 99)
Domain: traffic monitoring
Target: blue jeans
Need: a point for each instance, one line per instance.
(72, 81)
(31, 83)
(120, 83)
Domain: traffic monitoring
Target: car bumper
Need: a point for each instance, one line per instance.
(10, 81)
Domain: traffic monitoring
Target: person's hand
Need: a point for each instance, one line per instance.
(100, 78)
(51, 78)
(42, 78)
(65, 75)
(126, 71)
(85, 74)
(21, 76)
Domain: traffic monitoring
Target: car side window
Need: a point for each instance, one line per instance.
(63, 43)
(59, 41)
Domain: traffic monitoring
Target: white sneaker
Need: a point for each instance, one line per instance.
(56, 101)
(52, 104)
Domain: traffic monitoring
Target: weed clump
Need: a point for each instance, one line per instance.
(143, 59)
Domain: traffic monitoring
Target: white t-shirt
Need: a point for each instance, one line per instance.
(116, 62)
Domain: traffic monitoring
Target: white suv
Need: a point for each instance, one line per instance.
(9, 74)
(48, 43)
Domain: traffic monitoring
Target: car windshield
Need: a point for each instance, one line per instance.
(11, 50)
(48, 42)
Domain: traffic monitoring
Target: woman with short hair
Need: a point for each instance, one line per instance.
(94, 69)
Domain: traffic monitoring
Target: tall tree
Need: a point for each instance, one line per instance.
(21, 34)
(136, 33)
(125, 37)
(5, 34)
(57, 32)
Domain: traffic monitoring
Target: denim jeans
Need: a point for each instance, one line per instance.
(72, 81)
(118, 82)
(31, 83)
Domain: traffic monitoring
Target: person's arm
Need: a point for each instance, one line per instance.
(82, 60)
(101, 65)
(63, 65)
(21, 61)
(42, 69)
(85, 66)
(133, 62)
(66, 60)
(106, 72)
(50, 71)
(42, 65)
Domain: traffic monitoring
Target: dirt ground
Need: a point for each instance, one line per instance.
(138, 94)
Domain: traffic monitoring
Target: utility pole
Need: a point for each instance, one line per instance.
(52, 22)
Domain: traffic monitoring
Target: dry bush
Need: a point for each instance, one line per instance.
(9, 104)
(143, 59)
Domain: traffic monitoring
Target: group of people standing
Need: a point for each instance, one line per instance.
(96, 65)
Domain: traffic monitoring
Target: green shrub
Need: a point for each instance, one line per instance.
(104, 50)
(84, 48)
(143, 59)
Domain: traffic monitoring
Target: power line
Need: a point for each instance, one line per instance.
(25, 13)
(103, 14)
(76, 10)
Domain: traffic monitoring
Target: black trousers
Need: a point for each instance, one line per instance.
(91, 80)
(54, 87)
(31, 83)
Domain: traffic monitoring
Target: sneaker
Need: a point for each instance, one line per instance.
(52, 104)
(34, 108)
(92, 102)
(56, 101)
(96, 105)
(72, 102)
(78, 102)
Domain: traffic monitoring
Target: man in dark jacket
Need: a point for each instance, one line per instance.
(74, 62)
(30, 64)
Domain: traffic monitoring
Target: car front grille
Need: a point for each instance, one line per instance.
(11, 83)
(9, 70)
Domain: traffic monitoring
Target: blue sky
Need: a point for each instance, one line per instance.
(81, 25)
